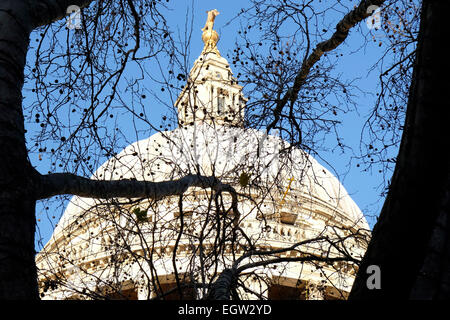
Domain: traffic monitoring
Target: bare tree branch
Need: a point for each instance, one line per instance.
(67, 183)
(350, 20)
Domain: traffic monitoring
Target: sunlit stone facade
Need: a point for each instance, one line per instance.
(136, 249)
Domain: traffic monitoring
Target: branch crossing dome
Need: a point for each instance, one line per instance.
(211, 93)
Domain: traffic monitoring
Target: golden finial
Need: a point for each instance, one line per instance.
(210, 37)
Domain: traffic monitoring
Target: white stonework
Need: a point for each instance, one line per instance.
(291, 198)
(212, 94)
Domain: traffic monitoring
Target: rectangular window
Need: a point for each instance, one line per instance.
(220, 104)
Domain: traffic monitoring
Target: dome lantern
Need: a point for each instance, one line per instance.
(211, 93)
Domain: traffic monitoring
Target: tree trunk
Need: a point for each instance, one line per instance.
(17, 204)
(410, 241)
(222, 287)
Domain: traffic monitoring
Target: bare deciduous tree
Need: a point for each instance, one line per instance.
(80, 83)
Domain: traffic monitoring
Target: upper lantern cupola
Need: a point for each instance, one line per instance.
(211, 93)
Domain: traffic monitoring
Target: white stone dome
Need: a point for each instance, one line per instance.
(284, 197)
(227, 152)
(315, 199)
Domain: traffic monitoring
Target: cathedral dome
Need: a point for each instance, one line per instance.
(228, 152)
(285, 197)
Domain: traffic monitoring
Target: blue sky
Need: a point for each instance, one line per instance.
(362, 186)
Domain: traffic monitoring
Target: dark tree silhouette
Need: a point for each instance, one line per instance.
(411, 238)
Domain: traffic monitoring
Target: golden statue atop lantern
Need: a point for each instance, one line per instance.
(210, 37)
